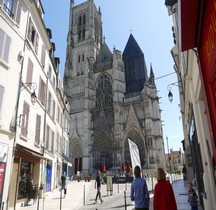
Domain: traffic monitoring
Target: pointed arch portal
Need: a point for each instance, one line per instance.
(102, 152)
(76, 155)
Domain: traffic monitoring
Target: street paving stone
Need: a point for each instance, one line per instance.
(81, 196)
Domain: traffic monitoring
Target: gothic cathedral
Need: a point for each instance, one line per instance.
(112, 98)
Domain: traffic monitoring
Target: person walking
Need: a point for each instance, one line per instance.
(192, 197)
(139, 191)
(63, 183)
(164, 198)
(98, 182)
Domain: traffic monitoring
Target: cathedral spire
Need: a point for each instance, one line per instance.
(152, 77)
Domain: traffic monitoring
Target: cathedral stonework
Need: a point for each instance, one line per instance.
(112, 98)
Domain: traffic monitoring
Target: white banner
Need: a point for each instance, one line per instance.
(134, 154)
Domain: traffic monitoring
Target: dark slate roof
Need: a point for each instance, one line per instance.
(135, 67)
(104, 50)
(132, 49)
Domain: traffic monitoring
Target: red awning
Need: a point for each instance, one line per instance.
(190, 14)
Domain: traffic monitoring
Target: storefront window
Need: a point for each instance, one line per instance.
(24, 178)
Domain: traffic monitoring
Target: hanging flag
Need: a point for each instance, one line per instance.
(134, 154)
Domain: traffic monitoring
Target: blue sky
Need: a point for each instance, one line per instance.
(150, 25)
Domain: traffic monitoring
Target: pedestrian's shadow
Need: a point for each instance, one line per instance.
(121, 206)
(92, 202)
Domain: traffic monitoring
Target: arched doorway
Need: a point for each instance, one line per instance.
(76, 155)
(102, 152)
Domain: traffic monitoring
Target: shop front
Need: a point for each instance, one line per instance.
(25, 177)
(49, 169)
(3, 168)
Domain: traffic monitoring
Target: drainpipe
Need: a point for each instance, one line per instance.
(44, 141)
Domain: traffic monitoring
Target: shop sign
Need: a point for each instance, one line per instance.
(2, 175)
(207, 53)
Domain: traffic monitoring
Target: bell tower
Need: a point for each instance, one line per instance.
(83, 43)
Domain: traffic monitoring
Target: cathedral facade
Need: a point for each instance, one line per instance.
(111, 96)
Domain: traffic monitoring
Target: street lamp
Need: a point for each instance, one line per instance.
(169, 88)
(170, 96)
(33, 97)
(33, 85)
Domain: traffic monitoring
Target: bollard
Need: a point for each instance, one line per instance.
(152, 184)
(61, 198)
(84, 195)
(38, 202)
(118, 184)
(125, 200)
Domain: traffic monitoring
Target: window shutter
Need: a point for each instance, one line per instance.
(53, 137)
(7, 47)
(1, 95)
(30, 29)
(25, 118)
(5, 41)
(37, 131)
(49, 103)
(53, 111)
(18, 13)
(1, 42)
(41, 91)
(29, 71)
(47, 137)
(43, 55)
(36, 42)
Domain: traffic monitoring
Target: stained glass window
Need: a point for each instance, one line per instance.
(104, 92)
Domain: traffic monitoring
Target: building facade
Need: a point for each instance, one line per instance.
(194, 57)
(112, 98)
(34, 113)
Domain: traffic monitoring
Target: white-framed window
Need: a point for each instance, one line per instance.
(13, 8)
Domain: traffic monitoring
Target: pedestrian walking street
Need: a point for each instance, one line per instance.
(81, 196)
